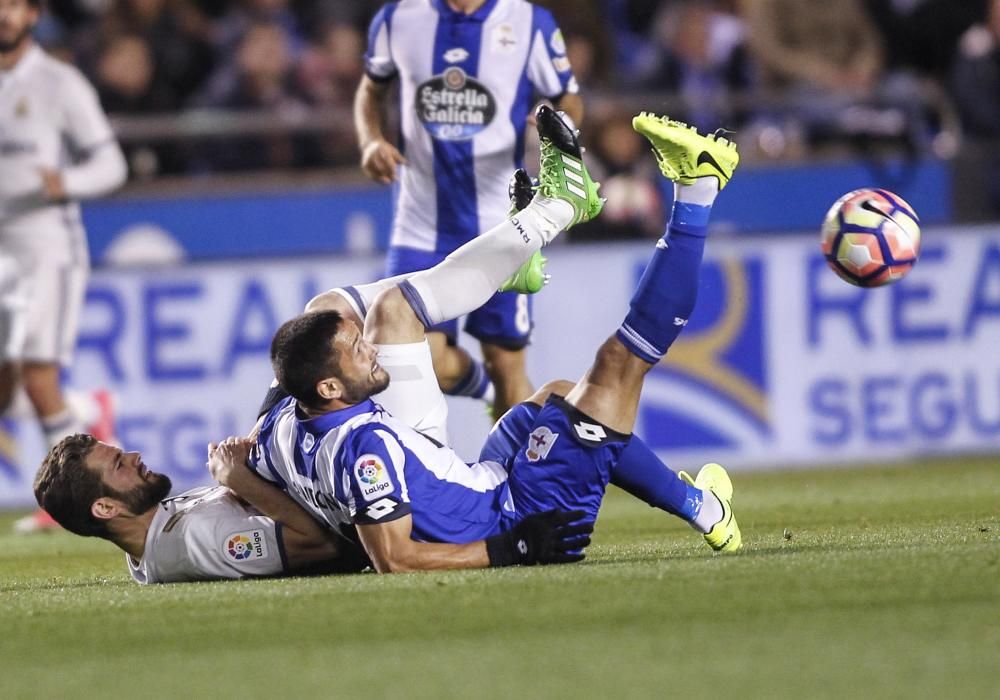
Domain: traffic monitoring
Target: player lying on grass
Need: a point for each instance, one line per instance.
(416, 505)
(95, 489)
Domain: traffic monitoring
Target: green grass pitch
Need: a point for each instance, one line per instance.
(873, 583)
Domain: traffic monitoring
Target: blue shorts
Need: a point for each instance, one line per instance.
(565, 462)
(505, 320)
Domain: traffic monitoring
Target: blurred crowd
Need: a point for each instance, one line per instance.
(793, 76)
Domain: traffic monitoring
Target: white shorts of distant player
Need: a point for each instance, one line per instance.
(43, 279)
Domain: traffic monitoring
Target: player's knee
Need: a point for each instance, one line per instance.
(391, 310)
(559, 387)
(333, 301)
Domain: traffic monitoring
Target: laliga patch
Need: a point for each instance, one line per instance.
(373, 477)
(540, 442)
(241, 546)
(557, 42)
(561, 64)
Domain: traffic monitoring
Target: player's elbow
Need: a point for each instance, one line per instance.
(394, 564)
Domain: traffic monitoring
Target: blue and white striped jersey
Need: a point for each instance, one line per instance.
(359, 465)
(467, 84)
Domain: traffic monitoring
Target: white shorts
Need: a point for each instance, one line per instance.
(40, 305)
(414, 396)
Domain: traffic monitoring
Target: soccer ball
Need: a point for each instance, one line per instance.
(870, 237)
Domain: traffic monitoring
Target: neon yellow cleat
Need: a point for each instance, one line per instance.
(683, 154)
(725, 535)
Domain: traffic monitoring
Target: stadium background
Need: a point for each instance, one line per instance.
(245, 198)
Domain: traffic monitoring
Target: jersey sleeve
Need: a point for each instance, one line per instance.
(371, 470)
(236, 543)
(379, 65)
(260, 459)
(548, 66)
(84, 121)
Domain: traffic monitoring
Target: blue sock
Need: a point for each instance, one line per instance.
(641, 473)
(475, 383)
(665, 297)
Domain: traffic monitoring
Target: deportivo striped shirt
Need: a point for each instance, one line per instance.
(467, 84)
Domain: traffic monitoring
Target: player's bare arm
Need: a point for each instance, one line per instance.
(392, 550)
(306, 541)
(379, 158)
(552, 537)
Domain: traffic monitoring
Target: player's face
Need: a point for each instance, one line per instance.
(361, 375)
(126, 478)
(17, 19)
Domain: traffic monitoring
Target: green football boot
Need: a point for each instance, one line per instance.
(683, 154)
(563, 174)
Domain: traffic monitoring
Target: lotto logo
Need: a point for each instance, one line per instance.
(590, 431)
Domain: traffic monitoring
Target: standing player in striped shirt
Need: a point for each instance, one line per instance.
(469, 71)
(56, 147)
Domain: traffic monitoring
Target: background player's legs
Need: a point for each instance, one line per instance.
(10, 379)
(508, 370)
(44, 389)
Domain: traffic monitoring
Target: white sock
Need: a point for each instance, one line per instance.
(59, 425)
(710, 513)
(468, 277)
(702, 192)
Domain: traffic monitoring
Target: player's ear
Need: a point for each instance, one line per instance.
(105, 508)
(329, 389)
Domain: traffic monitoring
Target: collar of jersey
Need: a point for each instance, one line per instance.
(320, 425)
(479, 15)
(29, 57)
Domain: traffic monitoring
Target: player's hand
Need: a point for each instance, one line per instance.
(53, 187)
(227, 460)
(542, 538)
(379, 160)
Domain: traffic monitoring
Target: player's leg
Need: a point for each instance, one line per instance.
(507, 368)
(13, 326)
(603, 405)
(639, 471)
(53, 312)
(503, 327)
(469, 276)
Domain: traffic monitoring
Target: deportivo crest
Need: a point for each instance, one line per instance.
(540, 442)
(504, 39)
(241, 546)
(372, 476)
(453, 106)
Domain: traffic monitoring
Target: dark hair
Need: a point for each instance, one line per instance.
(302, 354)
(66, 487)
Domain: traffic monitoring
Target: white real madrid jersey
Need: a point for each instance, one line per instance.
(467, 83)
(207, 533)
(49, 115)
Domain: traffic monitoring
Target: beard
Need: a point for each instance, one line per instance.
(15, 43)
(145, 496)
(356, 391)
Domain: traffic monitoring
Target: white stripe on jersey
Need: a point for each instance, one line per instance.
(398, 462)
